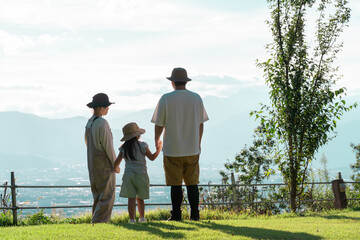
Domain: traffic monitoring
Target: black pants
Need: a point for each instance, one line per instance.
(177, 197)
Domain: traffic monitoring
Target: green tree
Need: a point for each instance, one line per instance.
(304, 106)
(254, 162)
(253, 165)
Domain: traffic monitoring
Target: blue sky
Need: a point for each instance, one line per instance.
(55, 55)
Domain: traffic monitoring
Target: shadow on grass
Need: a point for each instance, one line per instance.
(165, 230)
(341, 217)
(254, 233)
(160, 229)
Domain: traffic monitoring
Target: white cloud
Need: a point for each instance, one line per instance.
(75, 14)
(73, 49)
(19, 88)
(12, 45)
(49, 39)
(135, 15)
(16, 45)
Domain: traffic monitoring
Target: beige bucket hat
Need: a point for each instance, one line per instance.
(131, 130)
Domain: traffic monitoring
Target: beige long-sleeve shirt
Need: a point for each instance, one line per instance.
(103, 138)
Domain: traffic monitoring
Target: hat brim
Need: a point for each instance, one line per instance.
(131, 135)
(95, 105)
(179, 79)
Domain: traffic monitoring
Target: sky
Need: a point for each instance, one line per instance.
(56, 54)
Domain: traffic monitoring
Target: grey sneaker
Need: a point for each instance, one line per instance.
(142, 220)
(132, 221)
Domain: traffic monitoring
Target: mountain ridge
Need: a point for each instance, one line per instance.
(51, 141)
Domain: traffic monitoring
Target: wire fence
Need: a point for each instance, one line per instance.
(235, 201)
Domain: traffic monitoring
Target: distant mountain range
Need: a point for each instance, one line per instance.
(32, 141)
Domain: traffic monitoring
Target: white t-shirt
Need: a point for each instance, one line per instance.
(180, 112)
(138, 165)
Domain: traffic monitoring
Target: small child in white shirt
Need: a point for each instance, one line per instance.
(135, 182)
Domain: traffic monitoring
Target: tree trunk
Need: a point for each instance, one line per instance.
(293, 188)
(293, 176)
(293, 179)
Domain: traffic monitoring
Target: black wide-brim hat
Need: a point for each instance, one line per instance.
(100, 100)
(179, 75)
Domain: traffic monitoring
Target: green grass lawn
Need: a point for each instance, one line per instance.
(335, 225)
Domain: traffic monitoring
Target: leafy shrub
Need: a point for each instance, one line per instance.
(5, 219)
(36, 219)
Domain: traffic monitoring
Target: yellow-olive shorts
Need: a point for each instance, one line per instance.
(178, 169)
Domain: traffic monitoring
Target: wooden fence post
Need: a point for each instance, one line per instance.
(223, 182)
(233, 187)
(13, 198)
(338, 188)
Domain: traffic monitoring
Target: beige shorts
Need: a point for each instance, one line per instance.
(135, 185)
(181, 168)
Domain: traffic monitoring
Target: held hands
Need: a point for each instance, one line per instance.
(159, 145)
(117, 169)
(153, 156)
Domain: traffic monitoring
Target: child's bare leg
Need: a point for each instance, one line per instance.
(141, 207)
(131, 208)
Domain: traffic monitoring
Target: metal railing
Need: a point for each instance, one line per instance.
(14, 207)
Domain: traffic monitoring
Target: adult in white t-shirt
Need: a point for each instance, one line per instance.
(181, 114)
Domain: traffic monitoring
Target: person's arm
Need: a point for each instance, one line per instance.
(106, 139)
(158, 119)
(203, 118)
(117, 163)
(158, 132)
(201, 131)
(153, 156)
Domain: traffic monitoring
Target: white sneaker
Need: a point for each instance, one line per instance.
(142, 220)
(132, 221)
